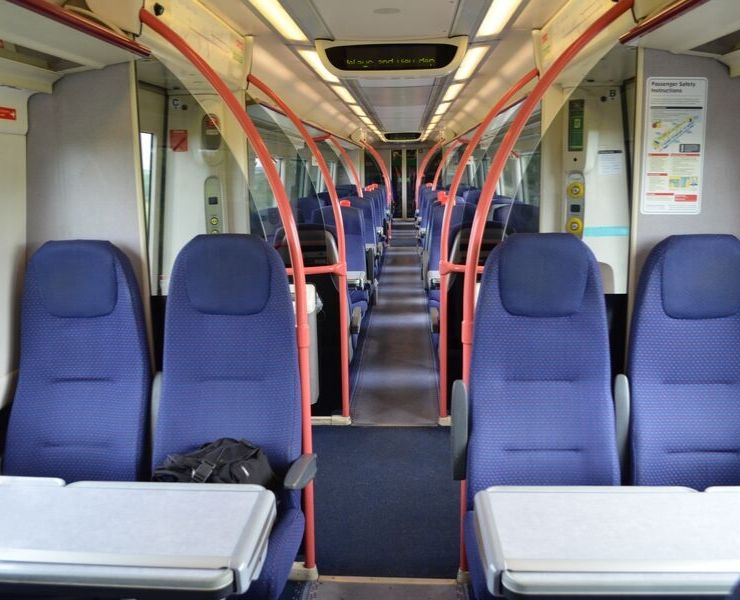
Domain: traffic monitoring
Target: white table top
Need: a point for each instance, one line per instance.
(599, 540)
(168, 536)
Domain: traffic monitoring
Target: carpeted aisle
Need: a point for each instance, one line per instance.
(396, 382)
(386, 504)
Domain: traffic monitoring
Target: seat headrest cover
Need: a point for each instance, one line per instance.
(227, 274)
(701, 276)
(77, 278)
(543, 275)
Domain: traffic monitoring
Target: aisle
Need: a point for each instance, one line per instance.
(397, 377)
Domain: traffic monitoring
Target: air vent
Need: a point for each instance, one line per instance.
(402, 136)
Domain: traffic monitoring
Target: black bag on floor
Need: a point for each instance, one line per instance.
(224, 461)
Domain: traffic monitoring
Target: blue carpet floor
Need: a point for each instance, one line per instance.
(386, 504)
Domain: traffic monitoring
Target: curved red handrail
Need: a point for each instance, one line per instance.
(489, 187)
(422, 168)
(445, 156)
(499, 162)
(387, 178)
(444, 264)
(339, 269)
(348, 163)
(286, 214)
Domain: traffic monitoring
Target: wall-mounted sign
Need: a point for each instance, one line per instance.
(675, 128)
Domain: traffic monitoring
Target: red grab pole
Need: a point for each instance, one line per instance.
(444, 264)
(286, 214)
(387, 179)
(422, 168)
(497, 167)
(339, 269)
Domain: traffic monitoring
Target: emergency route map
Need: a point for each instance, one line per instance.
(674, 145)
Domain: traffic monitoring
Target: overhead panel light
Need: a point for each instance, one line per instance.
(468, 65)
(497, 17)
(367, 121)
(357, 109)
(344, 94)
(442, 109)
(452, 92)
(273, 11)
(312, 58)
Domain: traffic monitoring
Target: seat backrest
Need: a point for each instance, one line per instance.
(306, 207)
(683, 367)
(82, 402)
(230, 366)
(518, 217)
(461, 214)
(318, 245)
(346, 189)
(540, 398)
(428, 197)
(354, 233)
(366, 205)
(471, 195)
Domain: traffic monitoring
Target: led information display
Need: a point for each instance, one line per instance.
(391, 57)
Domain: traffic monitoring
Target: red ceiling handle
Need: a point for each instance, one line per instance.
(499, 162)
(445, 157)
(444, 268)
(341, 268)
(497, 167)
(386, 177)
(422, 168)
(286, 214)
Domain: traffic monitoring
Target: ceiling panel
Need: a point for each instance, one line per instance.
(387, 19)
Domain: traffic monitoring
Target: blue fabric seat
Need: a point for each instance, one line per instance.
(683, 370)
(231, 370)
(516, 217)
(354, 241)
(541, 410)
(461, 214)
(82, 403)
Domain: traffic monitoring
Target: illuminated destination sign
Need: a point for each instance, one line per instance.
(391, 57)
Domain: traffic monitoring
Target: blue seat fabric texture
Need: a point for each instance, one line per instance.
(231, 370)
(684, 364)
(82, 402)
(541, 409)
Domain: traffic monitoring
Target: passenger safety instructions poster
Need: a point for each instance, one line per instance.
(675, 125)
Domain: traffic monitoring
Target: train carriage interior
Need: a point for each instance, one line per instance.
(380, 299)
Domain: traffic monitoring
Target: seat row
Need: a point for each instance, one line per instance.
(540, 409)
(84, 407)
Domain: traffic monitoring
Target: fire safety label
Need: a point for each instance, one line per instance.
(8, 113)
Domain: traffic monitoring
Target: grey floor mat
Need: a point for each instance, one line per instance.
(397, 378)
(330, 590)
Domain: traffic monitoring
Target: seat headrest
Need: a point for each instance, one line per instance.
(701, 276)
(77, 278)
(543, 274)
(227, 274)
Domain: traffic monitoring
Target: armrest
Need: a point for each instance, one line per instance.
(434, 318)
(301, 472)
(356, 320)
(156, 394)
(622, 409)
(370, 262)
(433, 279)
(459, 430)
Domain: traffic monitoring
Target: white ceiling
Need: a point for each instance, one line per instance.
(387, 19)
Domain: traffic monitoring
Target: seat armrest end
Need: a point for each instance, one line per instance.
(301, 472)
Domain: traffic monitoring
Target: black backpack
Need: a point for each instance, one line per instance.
(224, 461)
